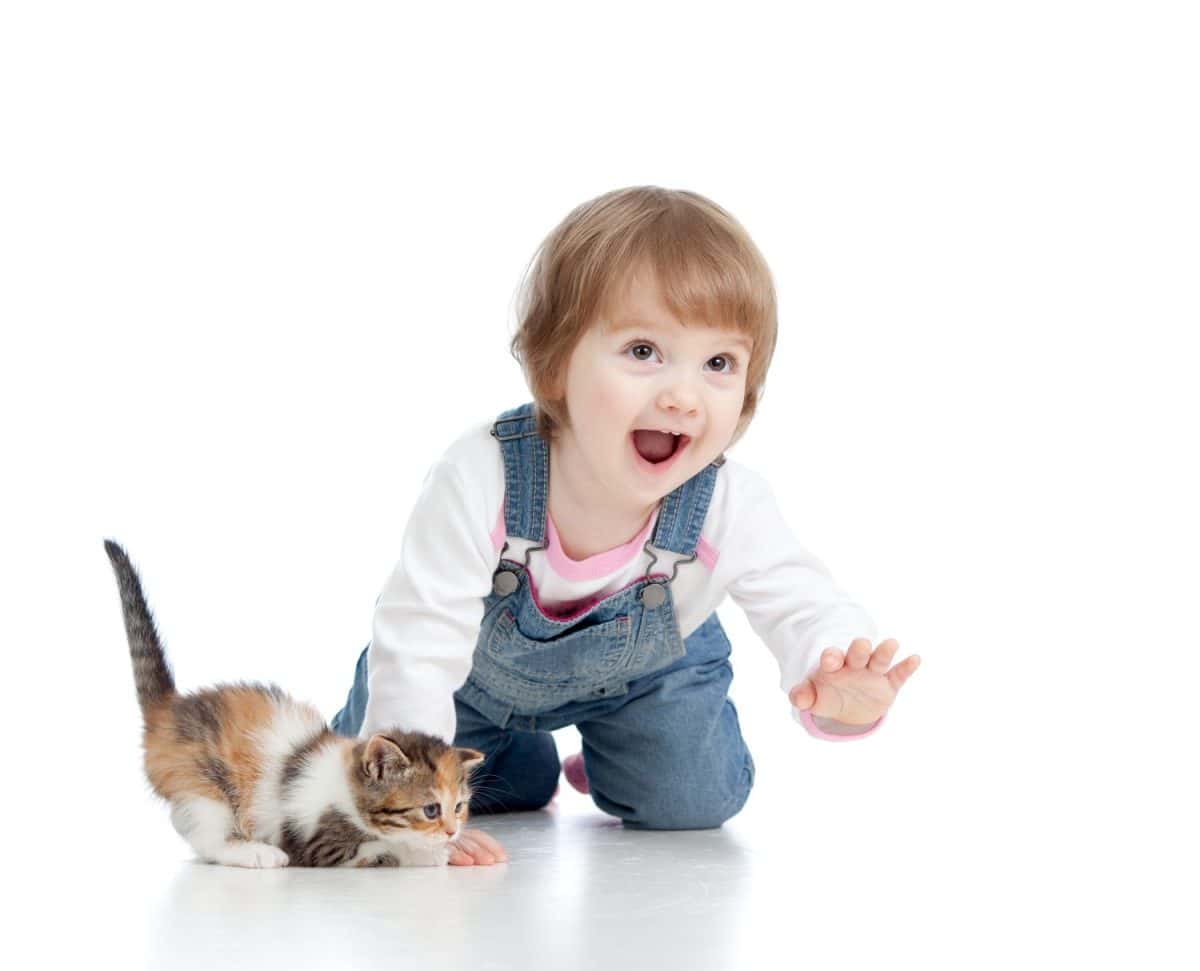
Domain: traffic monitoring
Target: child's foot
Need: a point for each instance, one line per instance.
(573, 770)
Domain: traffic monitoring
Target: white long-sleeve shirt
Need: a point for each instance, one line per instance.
(428, 615)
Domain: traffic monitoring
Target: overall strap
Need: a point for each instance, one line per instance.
(682, 514)
(527, 478)
(526, 473)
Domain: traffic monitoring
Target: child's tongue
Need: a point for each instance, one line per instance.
(653, 446)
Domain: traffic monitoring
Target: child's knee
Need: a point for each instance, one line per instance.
(520, 774)
(704, 807)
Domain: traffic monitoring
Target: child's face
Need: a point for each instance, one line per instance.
(640, 369)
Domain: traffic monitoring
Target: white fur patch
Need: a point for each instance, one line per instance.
(208, 826)
(205, 823)
(293, 724)
(322, 786)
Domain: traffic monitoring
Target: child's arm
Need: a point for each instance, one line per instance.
(427, 618)
(790, 600)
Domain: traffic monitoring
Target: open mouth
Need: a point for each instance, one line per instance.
(656, 451)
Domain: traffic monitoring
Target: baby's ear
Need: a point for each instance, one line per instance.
(383, 758)
(470, 758)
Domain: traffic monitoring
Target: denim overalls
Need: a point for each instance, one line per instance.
(662, 747)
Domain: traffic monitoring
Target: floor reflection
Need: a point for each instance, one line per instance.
(579, 891)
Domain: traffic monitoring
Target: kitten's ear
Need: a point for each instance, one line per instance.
(470, 758)
(383, 758)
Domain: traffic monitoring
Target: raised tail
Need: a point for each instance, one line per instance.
(151, 675)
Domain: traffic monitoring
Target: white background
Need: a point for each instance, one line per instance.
(258, 270)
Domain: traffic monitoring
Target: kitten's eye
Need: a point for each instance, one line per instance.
(458, 807)
(432, 811)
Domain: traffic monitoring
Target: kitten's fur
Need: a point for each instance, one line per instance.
(257, 779)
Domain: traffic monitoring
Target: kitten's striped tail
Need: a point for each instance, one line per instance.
(151, 675)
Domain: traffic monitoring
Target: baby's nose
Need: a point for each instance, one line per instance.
(678, 398)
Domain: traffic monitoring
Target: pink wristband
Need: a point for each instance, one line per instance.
(806, 719)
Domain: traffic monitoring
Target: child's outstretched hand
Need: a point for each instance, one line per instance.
(857, 688)
(473, 847)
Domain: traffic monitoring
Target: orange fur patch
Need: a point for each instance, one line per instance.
(180, 765)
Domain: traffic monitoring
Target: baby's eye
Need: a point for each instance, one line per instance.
(432, 811)
(725, 363)
(641, 351)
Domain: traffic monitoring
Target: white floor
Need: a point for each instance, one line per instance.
(578, 892)
(958, 836)
(867, 859)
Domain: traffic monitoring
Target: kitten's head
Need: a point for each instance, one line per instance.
(408, 784)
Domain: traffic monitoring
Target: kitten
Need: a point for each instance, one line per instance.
(257, 779)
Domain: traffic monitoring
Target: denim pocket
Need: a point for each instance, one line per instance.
(580, 657)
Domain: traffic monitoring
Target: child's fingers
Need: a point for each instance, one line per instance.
(482, 848)
(466, 842)
(859, 653)
(488, 843)
(459, 857)
(831, 659)
(903, 671)
(881, 660)
(803, 696)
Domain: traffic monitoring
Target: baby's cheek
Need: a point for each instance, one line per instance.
(611, 402)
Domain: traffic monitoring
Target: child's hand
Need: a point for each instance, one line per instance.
(473, 846)
(861, 690)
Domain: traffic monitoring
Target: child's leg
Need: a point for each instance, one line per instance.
(520, 771)
(673, 756)
(349, 720)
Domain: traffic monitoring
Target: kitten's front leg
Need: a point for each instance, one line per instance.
(374, 853)
(417, 854)
(398, 853)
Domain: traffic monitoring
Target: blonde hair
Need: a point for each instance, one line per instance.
(706, 266)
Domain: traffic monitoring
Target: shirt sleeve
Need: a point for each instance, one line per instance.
(427, 618)
(789, 597)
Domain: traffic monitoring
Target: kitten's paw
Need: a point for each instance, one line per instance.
(383, 859)
(259, 856)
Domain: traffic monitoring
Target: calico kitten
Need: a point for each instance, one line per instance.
(257, 779)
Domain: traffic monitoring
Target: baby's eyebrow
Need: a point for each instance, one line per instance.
(728, 336)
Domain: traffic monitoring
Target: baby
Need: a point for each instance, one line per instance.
(563, 563)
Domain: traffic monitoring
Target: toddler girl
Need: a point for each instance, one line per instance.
(564, 561)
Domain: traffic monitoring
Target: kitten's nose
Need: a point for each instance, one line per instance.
(449, 830)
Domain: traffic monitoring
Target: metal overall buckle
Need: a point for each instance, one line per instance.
(505, 582)
(654, 593)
